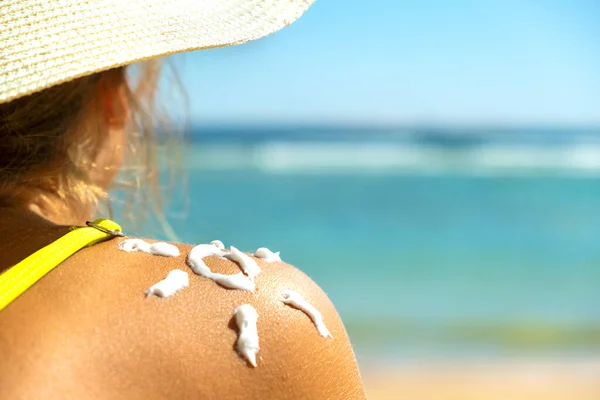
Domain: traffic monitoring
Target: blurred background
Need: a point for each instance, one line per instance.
(435, 167)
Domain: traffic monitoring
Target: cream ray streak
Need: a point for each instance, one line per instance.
(247, 342)
(174, 282)
(157, 249)
(246, 263)
(296, 300)
(267, 255)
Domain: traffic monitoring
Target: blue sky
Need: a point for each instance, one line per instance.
(403, 62)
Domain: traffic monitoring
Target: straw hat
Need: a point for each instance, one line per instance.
(47, 42)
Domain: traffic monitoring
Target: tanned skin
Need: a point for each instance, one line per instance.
(87, 330)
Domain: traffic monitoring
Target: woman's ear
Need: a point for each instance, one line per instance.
(113, 96)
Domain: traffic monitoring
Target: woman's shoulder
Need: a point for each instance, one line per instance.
(100, 318)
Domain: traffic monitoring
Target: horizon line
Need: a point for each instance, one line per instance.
(395, 126)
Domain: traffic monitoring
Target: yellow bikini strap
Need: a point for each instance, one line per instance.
(16, 280)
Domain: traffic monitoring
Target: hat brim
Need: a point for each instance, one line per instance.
(48, 42)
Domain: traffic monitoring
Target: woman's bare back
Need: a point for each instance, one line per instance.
(87, 330)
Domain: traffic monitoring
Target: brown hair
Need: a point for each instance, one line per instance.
(49, 141)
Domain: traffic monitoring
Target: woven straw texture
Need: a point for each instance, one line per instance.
(47, 42)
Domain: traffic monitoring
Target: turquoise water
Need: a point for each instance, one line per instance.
(423, 264)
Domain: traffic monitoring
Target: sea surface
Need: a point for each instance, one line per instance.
(478, 255)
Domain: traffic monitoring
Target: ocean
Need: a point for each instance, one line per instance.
(425, 250)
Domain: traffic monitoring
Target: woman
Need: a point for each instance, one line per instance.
(75, 322)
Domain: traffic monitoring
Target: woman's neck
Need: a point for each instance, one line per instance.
(62, 213)
(53, 210)
(24, 232)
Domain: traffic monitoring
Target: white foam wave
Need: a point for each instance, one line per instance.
(281, 157)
